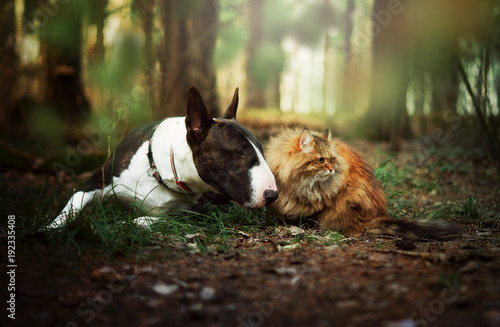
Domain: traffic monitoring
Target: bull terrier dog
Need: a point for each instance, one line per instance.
(166, 166)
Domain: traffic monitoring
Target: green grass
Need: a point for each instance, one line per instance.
(469, 208)
(109, 227)
(398, 185)
(401, 203)
(215, 228)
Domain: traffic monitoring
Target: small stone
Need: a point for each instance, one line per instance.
(165, 289)
(207, 293)
(470, 267)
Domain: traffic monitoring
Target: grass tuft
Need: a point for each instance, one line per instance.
(401, 203)
(469, 208)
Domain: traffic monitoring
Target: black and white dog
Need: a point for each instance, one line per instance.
(166, 166)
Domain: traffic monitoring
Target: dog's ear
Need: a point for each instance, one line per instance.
(231, 110)
(198, 119)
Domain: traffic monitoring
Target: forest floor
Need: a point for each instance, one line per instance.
(270, 275)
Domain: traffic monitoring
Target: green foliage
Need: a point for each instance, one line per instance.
(119, 73)
(47, 130)
(232, 41)
(310, 25)
(62, 22)
(267, 61)
(231, 10)
(277, 18)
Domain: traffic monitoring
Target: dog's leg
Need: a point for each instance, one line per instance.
(146, 221)
(77, 202)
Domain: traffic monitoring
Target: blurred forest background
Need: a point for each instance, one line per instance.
(77, 71)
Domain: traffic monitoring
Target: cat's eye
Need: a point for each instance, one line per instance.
(321, 160)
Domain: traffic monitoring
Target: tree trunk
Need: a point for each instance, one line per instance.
(444, 86)
(388, 117)
(64, 91)
(151, 83)
(100, 12)
(255, 93)
(186, 55)
(147, 17)
(172, 81)
(419, 89)
(8, 62)
(346, 92)
(202, 47)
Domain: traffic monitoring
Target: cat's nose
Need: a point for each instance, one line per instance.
(270, 196)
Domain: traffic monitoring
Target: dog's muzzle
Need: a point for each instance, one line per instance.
(270, 196)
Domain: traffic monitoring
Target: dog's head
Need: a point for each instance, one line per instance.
(228, 156)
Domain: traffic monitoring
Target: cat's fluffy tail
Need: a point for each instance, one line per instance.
(415, 230)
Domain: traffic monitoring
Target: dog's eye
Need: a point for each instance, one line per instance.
(240, 152)
(321, 160)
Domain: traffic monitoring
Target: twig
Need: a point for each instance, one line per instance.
(477, 107)
(413, 254)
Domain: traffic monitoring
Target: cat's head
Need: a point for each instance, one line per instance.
(320, 163)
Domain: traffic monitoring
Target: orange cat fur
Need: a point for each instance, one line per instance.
(327, 181)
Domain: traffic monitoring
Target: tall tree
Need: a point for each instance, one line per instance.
(204, 37)
(145, 10)
(8, 61)
(444, 75)
(255, 92)
(388, 115)
(61, 52)
(98, 16)
(190, 29)
(345, 94)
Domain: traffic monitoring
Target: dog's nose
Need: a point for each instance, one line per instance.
(270, 196)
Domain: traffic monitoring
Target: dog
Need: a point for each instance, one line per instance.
(166, 166)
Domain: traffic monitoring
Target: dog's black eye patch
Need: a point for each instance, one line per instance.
(240, 152)
(225, 157)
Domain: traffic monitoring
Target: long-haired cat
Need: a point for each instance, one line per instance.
(326, 181)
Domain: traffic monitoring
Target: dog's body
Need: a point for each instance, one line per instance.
(167, 166)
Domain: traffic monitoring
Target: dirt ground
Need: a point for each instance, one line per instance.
(362, 282)
(365, 281)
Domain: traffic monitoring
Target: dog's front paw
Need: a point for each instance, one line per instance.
(146, 222)
(59, 221)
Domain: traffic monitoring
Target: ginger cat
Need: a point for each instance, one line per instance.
(326, 181)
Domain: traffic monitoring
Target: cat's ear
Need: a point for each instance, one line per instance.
(326, 134)
(305, 141)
